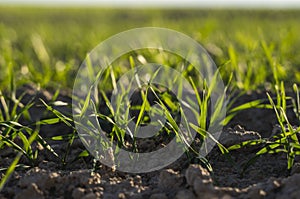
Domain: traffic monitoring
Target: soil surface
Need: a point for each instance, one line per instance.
(50, 177)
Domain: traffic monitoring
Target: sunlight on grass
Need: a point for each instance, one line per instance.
(46, 48)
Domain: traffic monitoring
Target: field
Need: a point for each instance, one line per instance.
(255, 51)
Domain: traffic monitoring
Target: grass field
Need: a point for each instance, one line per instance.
(258, 49)
(51, 43)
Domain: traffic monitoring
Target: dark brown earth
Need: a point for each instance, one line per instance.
(49, 177)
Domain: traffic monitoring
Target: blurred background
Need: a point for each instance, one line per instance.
(164, 3)
(44, 42)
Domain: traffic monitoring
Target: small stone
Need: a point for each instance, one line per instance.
(196, 171)
(201, 187)
(169, 179)
(99, 194)
(121, 196)
(276, 183)
(229, 192)
(32, 191)
(256, 193)
(272, 185)
(78, 193)
(39, 177)
(82, 178)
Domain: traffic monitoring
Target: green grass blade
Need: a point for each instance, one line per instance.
(246, 143)
(48, 121)
(86, 104)
(13, 165)
(10, 170)
(62, 117)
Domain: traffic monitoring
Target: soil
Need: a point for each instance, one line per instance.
(49, 177)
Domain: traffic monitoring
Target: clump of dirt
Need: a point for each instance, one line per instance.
(191, 182)
(50, 177)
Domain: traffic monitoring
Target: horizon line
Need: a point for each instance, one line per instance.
(158, 4)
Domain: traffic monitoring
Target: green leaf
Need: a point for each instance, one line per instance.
(10, 170)
(58, 114)
(268, 148)
(15, 162)
(43, 142)
(84, 153)
(86, 103)
(13, 144)
(248, 105)
(246, 143)
(48, 121)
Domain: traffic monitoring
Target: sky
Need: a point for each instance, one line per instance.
(164, 3)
